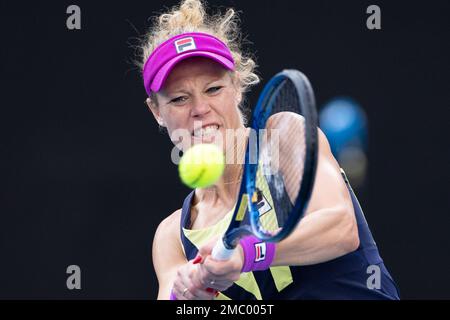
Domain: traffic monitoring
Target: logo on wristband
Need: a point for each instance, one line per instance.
(260, 251)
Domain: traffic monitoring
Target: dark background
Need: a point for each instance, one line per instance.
(85, 176)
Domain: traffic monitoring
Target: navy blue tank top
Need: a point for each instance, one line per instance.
(357, 275)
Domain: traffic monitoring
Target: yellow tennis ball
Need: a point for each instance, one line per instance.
(201, 165)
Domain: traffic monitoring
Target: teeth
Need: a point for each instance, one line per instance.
(206, 131)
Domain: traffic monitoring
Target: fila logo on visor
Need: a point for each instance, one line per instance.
(260, 253)
(185, 44)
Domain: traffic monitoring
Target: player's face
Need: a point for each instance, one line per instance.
(198, 102)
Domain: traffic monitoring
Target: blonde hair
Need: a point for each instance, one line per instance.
(191, 16)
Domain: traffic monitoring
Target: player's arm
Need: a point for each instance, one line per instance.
(329, 228)
(167, 255)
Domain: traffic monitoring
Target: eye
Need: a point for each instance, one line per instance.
(178, 100)
(213, 90)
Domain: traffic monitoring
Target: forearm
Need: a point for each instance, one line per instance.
(166, 281)
(321, 236)
(164, 292)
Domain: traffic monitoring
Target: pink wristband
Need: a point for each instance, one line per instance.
(172, 296)
(258, 255)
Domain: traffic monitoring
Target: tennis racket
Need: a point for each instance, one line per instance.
(280, 163)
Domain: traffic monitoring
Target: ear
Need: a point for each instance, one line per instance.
(155, 111)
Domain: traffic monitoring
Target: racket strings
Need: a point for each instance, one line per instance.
(282, 155)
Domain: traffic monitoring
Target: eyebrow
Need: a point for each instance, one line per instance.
(178, 90)
(215, 80)
(166, 94)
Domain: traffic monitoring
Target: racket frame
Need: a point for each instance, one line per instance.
(225, 247)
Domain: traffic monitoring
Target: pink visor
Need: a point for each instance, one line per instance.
(186, 45)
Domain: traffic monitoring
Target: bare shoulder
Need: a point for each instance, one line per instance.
(324, 146)
(167, 249)
(285, 119)
(167, 252)
(169, 228)
(329, 186)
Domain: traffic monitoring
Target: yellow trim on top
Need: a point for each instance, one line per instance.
(248, 282)
(242, 208)
(200, 237)
(281, 275)
(221, 296)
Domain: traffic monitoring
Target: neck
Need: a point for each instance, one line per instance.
(226, 189)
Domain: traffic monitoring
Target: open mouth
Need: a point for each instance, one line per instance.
(206, 131)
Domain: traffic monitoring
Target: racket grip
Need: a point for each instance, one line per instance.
(220, 252)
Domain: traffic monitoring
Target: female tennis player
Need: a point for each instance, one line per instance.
(196, 77)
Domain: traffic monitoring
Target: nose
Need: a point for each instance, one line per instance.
(200, 107)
